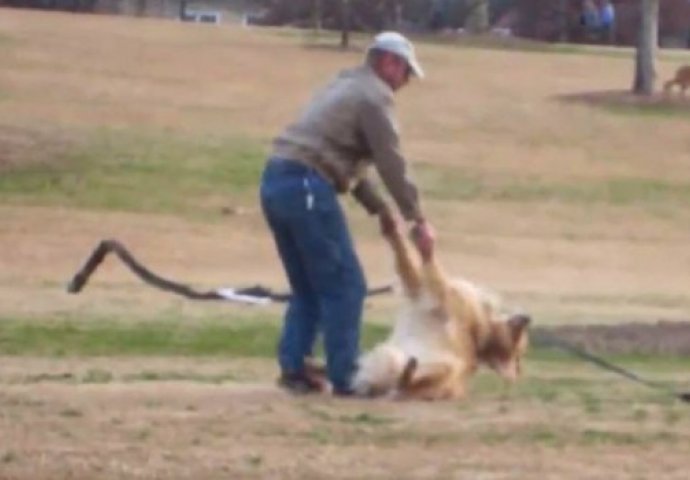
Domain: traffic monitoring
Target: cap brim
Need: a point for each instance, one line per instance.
(416, 68)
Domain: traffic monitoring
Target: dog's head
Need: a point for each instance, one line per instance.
(506, 344)
(501, 339)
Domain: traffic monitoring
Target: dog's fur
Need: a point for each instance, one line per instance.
(445, 330)
(682, 79)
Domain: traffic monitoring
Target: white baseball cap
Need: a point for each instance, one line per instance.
(397, 44)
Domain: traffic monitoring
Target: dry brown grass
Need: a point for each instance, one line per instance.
(72, 427)
(494, 115)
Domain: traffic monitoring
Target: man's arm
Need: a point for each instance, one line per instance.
(381, 133)
(368, 195)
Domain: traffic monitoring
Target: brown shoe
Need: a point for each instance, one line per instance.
(316, 372)
(300, 383)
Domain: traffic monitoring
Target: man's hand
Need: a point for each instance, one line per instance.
(424, 237)
(387, 222)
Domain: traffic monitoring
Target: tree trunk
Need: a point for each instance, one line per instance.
(563, 19)
(317, 14)
(478, 16)
(141, 8)
(397, 15)
(345, 23)
(648, 40)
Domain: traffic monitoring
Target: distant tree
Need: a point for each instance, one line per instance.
(648, 40)
(397, 14)
(477, 20)
(317, 14)
(141, 6)
(345, 19)
(563, 20)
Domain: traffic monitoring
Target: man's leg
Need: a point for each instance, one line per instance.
(336, 275)
(301, 317)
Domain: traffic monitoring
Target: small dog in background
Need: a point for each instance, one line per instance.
(446, 329)
(682, 80)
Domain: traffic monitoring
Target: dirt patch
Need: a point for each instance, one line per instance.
(661, 338)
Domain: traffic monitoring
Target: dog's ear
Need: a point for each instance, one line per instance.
(517, 324)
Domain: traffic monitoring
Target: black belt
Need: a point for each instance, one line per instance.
(287, 165)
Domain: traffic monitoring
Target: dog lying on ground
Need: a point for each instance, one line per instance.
(446, 329)
(682, 79)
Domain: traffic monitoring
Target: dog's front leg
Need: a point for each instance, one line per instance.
(406, 264)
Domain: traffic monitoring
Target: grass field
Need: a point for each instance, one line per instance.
(154, 132)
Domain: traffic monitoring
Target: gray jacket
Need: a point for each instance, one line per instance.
(348, 126)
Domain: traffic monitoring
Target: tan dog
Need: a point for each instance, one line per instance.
(445, 330)
(682, 79)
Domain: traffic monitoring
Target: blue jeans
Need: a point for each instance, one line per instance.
(325, 276)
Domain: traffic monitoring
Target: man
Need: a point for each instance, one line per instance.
(607, 19)
(347, 127)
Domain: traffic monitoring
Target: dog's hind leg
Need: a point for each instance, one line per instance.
(407, 373)
(430, 381)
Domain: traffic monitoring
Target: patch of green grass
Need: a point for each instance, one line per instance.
(6, 39)
(613, 191)
(361, 419)
(449, 183)
(558, 436)
(96, 375)
(71, 413)
(652, 110)
(656, 299)
(66, 377)
(321, 435)
(597, 437)
(446, 183)
(153, 172)
(543, 353)
(255, 460)
(537, 434)
(564, 389)
(640, 414)
(151, 376)
(367, 418)
(591, 404)
(254, 336)
(672, 415)
(8, 457)
(157, 172)
(100, 376)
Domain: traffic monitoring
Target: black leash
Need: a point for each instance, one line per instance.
(107, 246)
(547, 340)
